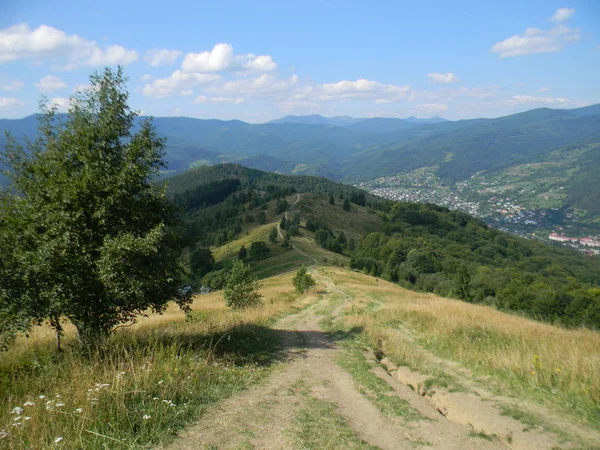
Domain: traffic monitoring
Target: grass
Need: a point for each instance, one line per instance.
(481, 435)
(373, 387)
(557, 367)
(152, 380)
(318, 426)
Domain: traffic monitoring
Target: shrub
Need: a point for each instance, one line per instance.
(241, 290)
(303, 281)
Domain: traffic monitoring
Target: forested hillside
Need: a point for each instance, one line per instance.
(422, 247)
(349, 149)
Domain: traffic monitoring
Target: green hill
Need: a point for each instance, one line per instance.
(422, 247)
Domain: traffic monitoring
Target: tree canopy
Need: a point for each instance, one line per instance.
(95, 241)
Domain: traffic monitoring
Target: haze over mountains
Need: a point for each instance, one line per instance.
(348, 149)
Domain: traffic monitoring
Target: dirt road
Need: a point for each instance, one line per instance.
(266, 416)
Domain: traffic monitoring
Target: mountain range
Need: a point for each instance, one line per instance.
(352, 149)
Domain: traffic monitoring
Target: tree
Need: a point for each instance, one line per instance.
(273, 235)
(463, 283)
(303, 281)
(242, 253)
(262, 218)
(97, 245)
(241, 290)
(346, 205)
(202, 261)
(331, 200)
(259, 250)
(282, 206)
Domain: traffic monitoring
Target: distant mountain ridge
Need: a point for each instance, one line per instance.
(349, 149)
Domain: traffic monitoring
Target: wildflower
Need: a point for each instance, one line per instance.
(3, 434)
(17, 410)
(169, 403)
(16, 419)
(557, 370)
(58, 439)
(27, 417)
(161, 382)
(533, 372)
(79, 410)
(155, 398)
(146, 417)
(28, 404)
(42, 397)
(58, 396)
(60, 405)
(50, 404)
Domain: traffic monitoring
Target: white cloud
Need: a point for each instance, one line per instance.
(219, 100)
(533, 100)
(62, 103)
(11, 86)
(562, 14)
(535, 40)
(223, 59)
(432, 108)
(543, 89)
(363, 89)
(50, 83)
(66, 51)
(443, 78)
(177, 82)
(146, 77)
(161, 56)
(7, 103)
(186, 92)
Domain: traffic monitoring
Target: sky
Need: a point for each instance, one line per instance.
(260, 60)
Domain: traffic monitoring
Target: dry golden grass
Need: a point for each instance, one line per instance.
(555, 365)
(154, 377)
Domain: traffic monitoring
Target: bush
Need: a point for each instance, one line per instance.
(303, 281)
(259, 250)
(241, 290)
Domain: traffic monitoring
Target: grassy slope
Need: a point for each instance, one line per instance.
(518, 357)
(155, 378)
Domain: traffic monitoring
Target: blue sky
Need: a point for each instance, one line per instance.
(260, 60)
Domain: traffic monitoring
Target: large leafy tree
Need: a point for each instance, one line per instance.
(95, 241)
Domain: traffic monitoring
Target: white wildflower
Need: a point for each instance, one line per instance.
(79, 410)
(27, 417)
(3, 434)
(146, 417)
(58, 396)
(28, 404)
(60, 405)
(155, 398)
(58, 439)
(42, 397)
(16, 419)
(161, 382)
(17, 410)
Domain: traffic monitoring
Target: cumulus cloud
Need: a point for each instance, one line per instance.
(177, 82)
(7, 103)
(562, 14)
(67, 51)
(223, 59)
(534, 100)
(443, 78)
(432, 108)
(219, 100)
(62, 103)
(157, 57)
(11, 86)
(50, 83)
(363, 89)
(536, 40)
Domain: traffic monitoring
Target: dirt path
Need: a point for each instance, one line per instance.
(264, 416)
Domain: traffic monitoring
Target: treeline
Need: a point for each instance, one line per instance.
(432, 249)
(328, 239)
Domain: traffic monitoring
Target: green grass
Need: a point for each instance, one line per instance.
(481, 435)
(318, 426)
(369, 384)
(528, 419)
